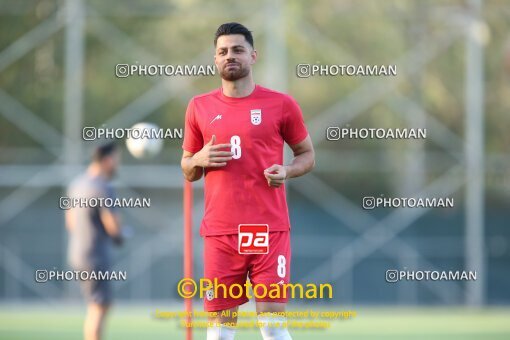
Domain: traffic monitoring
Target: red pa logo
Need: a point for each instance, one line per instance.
(253, 239)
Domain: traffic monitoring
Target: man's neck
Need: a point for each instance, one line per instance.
(239, 88)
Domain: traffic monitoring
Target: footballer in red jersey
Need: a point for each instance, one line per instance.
(234, 136)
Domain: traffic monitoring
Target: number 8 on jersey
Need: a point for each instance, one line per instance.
(236, 147)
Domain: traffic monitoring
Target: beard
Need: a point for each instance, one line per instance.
(234, 74)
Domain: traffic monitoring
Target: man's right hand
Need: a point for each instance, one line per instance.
(212, 156)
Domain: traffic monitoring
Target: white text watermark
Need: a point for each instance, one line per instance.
(44, 275)
(322, 70)
(93, 133)
(336, 133)
(394, 275)
(128, 70)
(66, 203)
(371, 202)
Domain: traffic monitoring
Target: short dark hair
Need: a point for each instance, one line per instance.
(233, 28)
(104, 150)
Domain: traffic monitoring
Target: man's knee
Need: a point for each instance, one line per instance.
(272, 321)
(98, 311)
(270, 307)
(227, 316)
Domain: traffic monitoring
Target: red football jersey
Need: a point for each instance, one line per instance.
(256, 126)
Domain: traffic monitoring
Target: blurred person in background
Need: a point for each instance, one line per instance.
(92, 234)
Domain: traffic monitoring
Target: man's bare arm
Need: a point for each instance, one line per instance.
(111, 222)
(211, 155)
(69, 220)
(192, 172)
(303, 162)
(304, 159)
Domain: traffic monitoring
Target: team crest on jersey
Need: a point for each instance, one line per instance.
(256, 116)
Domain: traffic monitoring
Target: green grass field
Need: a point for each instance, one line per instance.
(138, 322)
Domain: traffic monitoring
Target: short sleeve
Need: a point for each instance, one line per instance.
(294, 129)
(193, 140)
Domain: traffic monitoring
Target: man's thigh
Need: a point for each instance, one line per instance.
(272, 270)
